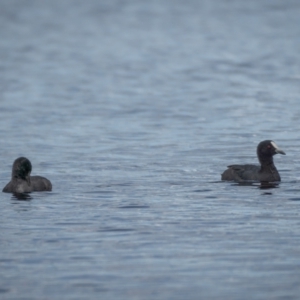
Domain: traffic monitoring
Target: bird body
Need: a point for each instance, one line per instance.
(266, 172)
(22, 182)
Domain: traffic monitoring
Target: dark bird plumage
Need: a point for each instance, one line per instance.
(22, 182)
(266, 172)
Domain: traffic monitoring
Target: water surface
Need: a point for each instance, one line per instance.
(133, 110)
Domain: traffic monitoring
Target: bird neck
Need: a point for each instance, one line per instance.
(269, 167)
(266, 161)
(16, 174)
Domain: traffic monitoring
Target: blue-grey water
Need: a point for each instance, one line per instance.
(133, 109)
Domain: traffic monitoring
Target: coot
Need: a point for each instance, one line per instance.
(22, 182)
(266, 172)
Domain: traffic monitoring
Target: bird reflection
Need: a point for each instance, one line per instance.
(21, 196)
(268, 185)
(263, 185)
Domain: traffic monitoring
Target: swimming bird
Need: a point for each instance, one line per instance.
(266, 172)
(22, 182)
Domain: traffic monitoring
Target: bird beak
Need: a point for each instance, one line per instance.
(279, 151)
(28, 179)
(276, 149)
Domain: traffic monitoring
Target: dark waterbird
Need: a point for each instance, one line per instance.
(22, 182)
(266, 172)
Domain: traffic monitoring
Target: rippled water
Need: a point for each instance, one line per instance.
(133, 110)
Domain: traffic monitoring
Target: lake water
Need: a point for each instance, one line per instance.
(133, 109)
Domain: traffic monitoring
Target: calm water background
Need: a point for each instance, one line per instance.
(133, 109)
